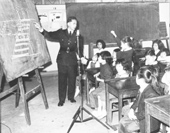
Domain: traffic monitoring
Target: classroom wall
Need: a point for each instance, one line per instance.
(53, 17)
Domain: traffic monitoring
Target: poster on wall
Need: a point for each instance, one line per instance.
(22, 47)
(52, 18)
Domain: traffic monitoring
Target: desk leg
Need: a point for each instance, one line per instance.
(147, 118)
(87, 91)
(108, 109)
(163, 128)
(120, 106)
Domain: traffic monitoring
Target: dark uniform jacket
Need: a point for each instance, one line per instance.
(139, 107)
(68, 46)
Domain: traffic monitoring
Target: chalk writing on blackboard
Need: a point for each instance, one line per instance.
(22, 40)
(22, 47)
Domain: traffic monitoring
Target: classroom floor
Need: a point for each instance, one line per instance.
(52, 120)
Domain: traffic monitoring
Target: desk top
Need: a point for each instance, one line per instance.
(161, 102)
(123, 83)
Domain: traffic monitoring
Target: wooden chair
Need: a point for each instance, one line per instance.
(89, 81)
(121, 88)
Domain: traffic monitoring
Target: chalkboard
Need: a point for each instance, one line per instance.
(139, 20)
(22, 47)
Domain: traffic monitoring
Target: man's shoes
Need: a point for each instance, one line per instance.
(61, 103)
(72, 100)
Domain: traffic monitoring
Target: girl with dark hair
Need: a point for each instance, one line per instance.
(135, 118)
(101, 45)
(123, 69)
(157, 46)
(163, 54)
(150, 59)
(97, 97)
(94, 63)
(126, 50)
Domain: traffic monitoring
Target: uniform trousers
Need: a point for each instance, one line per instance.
(66, 81)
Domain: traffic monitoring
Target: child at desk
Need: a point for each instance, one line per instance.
(106, 72)
(100, 44)
(163, 59)
(134, 119)
(126, 50)
(150, 59)
(166, 78)
(122, 71)
(157, 46)
(94, 63)
(92, 68)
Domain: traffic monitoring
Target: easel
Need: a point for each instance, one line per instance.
(20, 90)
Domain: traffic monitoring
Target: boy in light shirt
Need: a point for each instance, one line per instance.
(166, 77)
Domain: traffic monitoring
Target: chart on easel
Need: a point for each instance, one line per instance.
(22, 47)
(22, 50)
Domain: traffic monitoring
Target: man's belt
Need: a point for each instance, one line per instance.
(67, 51)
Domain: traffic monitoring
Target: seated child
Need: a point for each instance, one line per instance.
(157, 46)
(100, 44)
(94, 62)
(106, 72)
(126, 50)
(123, 70)
(162, 59)
(150, 59)
(92, 65)
(166, 77)
(134, 119)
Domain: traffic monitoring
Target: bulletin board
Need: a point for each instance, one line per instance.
(139, 20)
(22, 47)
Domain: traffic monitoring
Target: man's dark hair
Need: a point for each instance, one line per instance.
(69, 19)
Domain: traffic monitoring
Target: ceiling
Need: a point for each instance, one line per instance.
(51, 2)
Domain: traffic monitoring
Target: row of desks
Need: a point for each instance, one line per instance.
(158, 107)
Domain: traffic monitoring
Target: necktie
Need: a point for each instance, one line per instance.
(69, 33)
